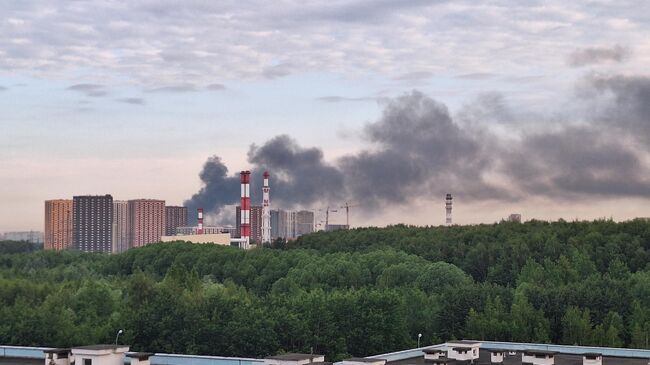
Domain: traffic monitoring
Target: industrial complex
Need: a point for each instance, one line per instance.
(100, 224)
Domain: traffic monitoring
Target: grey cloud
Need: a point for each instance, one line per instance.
(134, 101)
(596, 55)
(2, 88)
(415, 76)
(338, 99)
(216, 87)
(276, 71)
(182, 88)
(627, 104)
(477, 76)
(93, 90)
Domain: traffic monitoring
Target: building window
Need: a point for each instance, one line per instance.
(88, 362)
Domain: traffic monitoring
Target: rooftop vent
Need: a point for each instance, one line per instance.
(433, 354)
(592, 358)
(463, 350)
(57, 357)
(497, 355)
(538, 357)
(140, 358)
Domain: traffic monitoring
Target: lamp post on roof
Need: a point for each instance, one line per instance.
(419, 337)
(118, 336)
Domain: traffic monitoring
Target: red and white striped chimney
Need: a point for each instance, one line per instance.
(245, 228)
(199, 213)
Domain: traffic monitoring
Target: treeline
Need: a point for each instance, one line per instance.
(344, 293)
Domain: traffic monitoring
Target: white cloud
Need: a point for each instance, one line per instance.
(161, 43)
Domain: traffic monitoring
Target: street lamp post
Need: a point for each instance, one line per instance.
(118, 336)
(419, 337)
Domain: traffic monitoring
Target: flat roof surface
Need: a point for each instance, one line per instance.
(99, 347)
(464, 342)
(294, 357)
(560, 359)
(368, 360)
(20, 361)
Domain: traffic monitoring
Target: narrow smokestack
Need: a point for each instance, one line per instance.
(448, 209)
(199, 217)
(245, 231)
(266, 210)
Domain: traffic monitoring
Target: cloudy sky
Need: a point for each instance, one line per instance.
(535, 107)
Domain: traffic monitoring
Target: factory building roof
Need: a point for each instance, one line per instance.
(560, 359)
(294, 357)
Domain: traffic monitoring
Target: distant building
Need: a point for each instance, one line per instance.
(24, 236)
(256, 222)
(278, 224)
(121, 226)
(147, 221)
(184, 231)
(304, 221)
(58, 224)
(92, 223)
(174, 217)
(336, 227)
(214, 238)
(515, 217)
(289, 225)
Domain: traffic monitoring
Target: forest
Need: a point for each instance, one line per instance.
(346, 293)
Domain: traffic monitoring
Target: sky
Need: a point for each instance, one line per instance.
(533, 107)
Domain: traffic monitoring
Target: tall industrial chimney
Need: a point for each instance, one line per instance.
(199, 213)
(245, 230)
(266, 212)
(448, 208)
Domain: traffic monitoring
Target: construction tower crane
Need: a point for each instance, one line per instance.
(347, 207)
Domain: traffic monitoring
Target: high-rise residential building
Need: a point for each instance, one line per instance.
(121, 226)
(278, 224)
(256, 222)
(58, 224)
(174, 217)
(304, 221)
(92, 223)
(147, 217)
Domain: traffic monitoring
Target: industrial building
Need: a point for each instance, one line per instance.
(190, 230)
(215, 238)
(92, 223)
(58, 224)
(450, 353)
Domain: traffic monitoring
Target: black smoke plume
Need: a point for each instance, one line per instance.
(417, 149)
